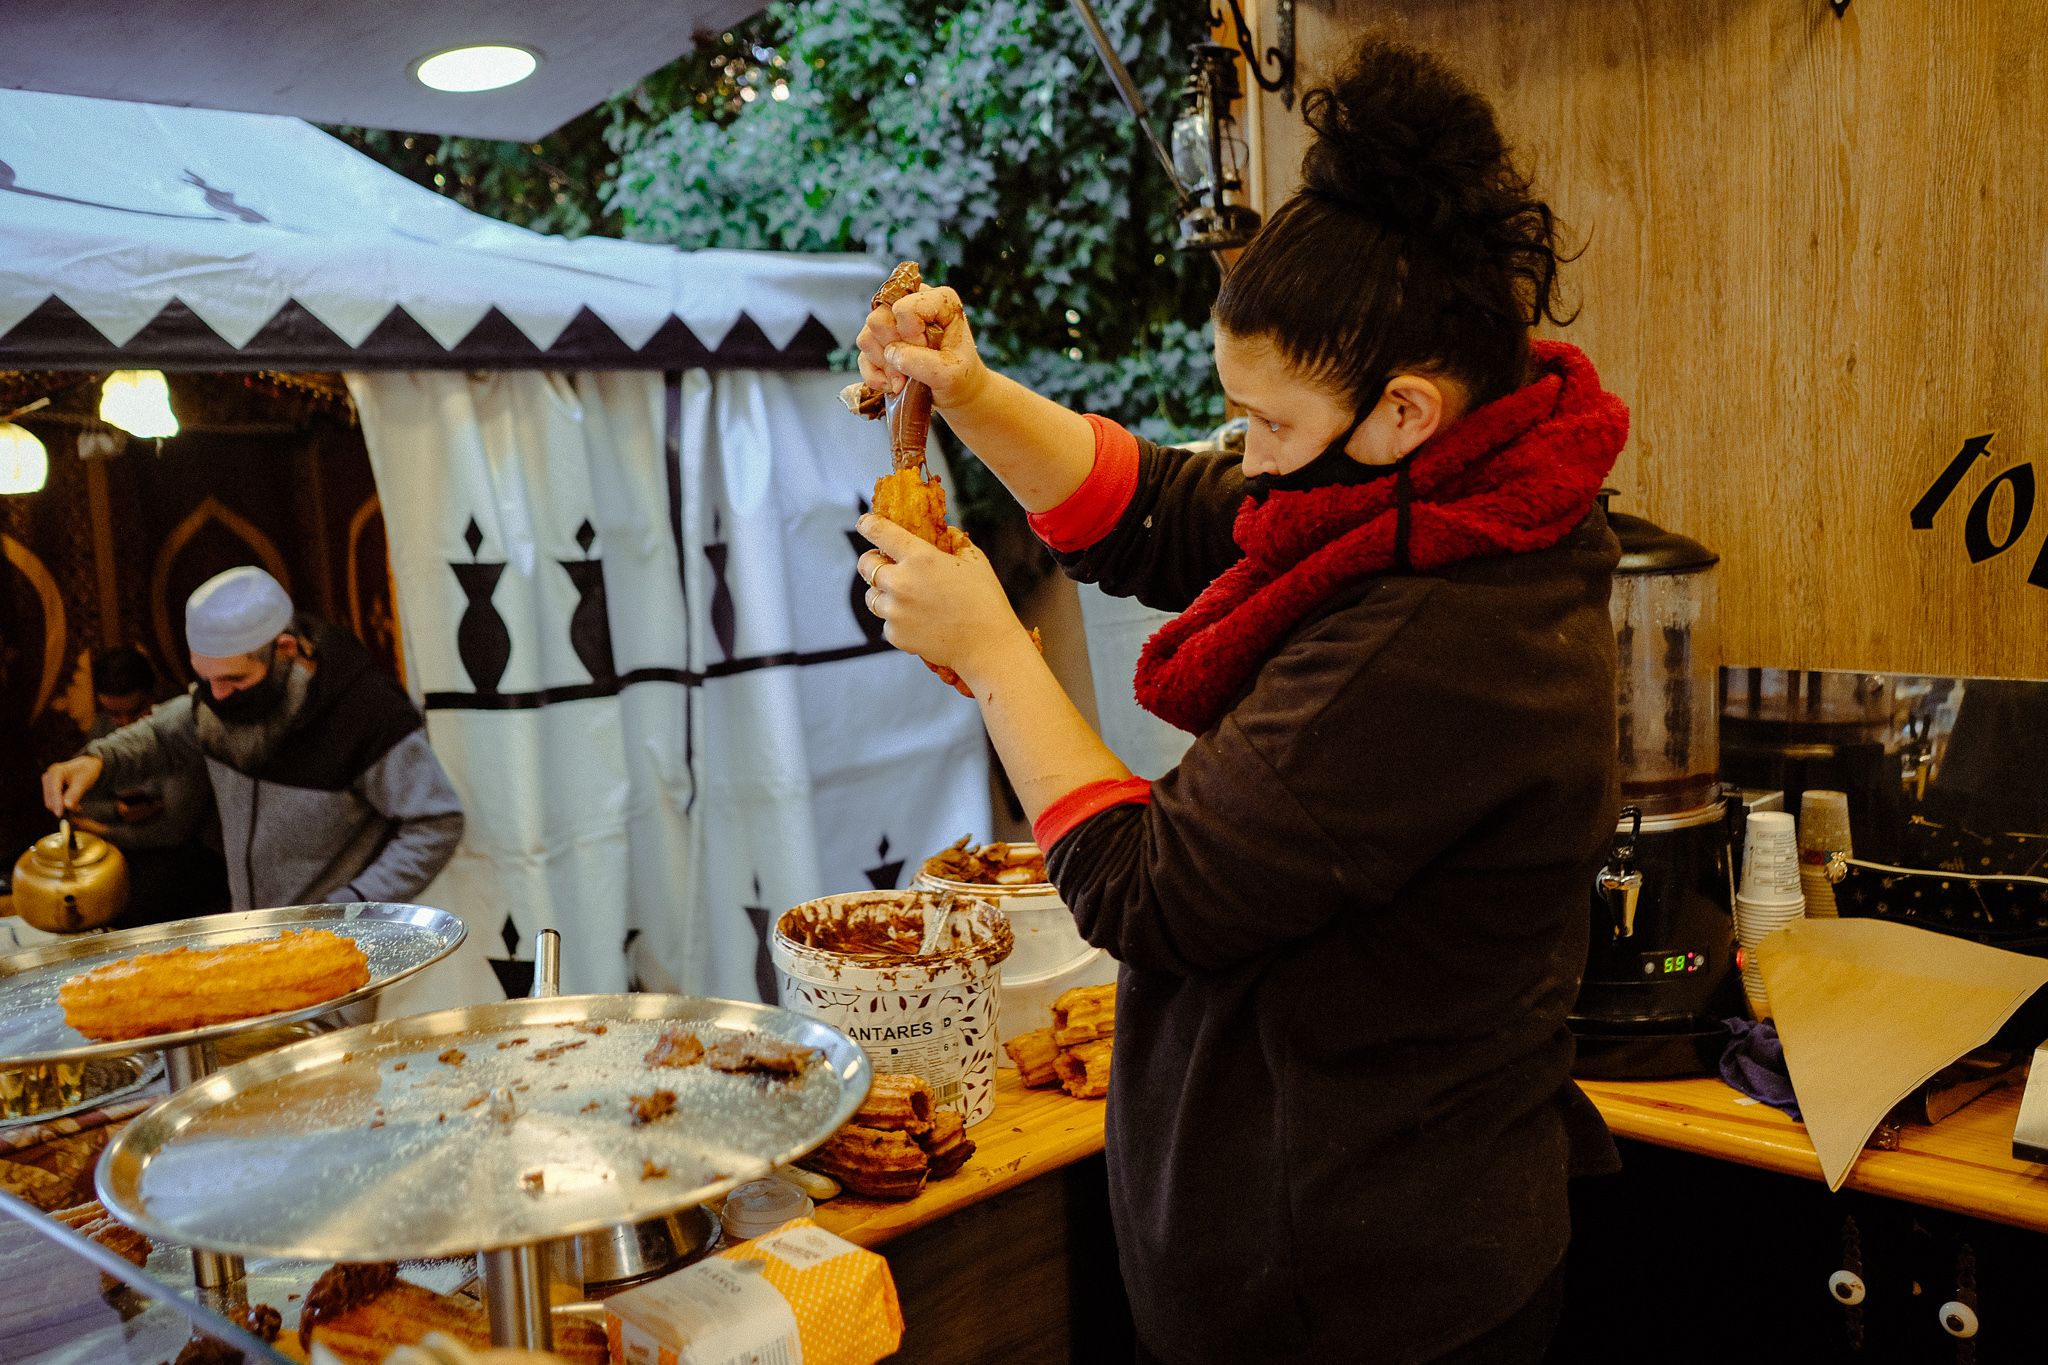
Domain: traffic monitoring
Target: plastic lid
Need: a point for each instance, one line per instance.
(1647, 547)
(762, 1206)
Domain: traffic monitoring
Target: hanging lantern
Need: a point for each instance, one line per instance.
(1209, 156)
(24, 462)
(138, 402)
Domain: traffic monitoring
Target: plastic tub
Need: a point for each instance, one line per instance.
(1050, 957)
(762, 1206)
(852, 961)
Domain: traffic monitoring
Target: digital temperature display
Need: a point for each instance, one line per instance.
(1673, 963)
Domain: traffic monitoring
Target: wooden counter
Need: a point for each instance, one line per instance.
(1964, 1164)
(1030, 1133)
(1012, 1258)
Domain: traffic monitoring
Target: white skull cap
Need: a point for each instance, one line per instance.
(235, 613)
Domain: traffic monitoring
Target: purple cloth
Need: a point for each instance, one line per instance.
(1754, 1063)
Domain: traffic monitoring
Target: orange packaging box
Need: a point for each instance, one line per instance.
(797, 1294)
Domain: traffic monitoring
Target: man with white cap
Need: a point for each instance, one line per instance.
(326, 786)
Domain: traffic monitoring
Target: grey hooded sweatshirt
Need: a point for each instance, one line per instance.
(346, 803)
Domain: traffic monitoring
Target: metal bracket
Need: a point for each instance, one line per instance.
(1281, 54)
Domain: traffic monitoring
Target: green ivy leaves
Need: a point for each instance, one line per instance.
(980, 138)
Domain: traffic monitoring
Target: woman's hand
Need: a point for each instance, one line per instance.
(895, 345)
(947, 608)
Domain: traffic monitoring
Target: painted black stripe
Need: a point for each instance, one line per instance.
(672, 461)
(682, 677)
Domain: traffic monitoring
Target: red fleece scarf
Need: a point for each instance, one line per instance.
(1514, 476)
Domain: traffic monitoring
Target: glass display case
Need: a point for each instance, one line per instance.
(71, 1301)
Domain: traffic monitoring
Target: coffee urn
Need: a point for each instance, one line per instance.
(1660, 965)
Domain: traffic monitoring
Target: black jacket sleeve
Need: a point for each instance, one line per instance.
(1175, 537)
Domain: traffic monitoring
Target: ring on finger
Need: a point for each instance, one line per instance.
(871, 601)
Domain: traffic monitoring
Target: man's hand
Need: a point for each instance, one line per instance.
(66, 784)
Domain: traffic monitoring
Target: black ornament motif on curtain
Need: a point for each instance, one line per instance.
(857, 592)
(763, 920)
(883, 875)
(514, 976)
(482, 640)
(724, 620)
(633, 982)
(590, 625)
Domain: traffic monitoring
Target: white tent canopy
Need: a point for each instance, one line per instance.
(621, 530)
(203, 239)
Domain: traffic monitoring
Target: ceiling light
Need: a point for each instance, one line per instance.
(24, 462)
(466, 70)
(138, 402)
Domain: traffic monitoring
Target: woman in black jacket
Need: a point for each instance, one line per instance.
(1352, 919)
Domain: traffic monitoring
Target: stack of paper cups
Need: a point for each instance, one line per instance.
(1823, 831)
(1770, 897)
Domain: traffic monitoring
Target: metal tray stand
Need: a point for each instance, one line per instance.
(492, 1129)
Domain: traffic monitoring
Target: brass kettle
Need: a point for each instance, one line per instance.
(70, 881)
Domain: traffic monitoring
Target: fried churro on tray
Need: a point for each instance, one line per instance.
(188, 988)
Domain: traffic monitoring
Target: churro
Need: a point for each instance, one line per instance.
(188, 988)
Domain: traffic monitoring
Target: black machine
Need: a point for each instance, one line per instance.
(1660, 966)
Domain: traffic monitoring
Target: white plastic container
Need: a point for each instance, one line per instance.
(852, 961)
(1050, 958)
(761, 1206)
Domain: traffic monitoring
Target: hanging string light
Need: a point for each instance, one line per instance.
(24, 461)
(139, 402)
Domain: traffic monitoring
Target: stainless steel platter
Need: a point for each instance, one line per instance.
(398, 940)
(106, 1080)
(379, 1142)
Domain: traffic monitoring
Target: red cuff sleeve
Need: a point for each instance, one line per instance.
(1083, 803)
(1092, 510)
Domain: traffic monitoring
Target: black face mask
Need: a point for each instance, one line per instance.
(1334, 469)
(1331, 469)
(253, 703)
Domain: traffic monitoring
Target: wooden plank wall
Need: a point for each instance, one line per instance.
(1815, 268)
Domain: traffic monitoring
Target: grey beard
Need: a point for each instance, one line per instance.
(247, 747)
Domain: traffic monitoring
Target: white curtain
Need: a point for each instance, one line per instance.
(629, 607)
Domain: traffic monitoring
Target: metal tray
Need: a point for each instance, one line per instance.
(106, 1080)
(363, 1145)
(398, 939)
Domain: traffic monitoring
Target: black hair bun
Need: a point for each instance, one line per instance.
(1402, 139)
